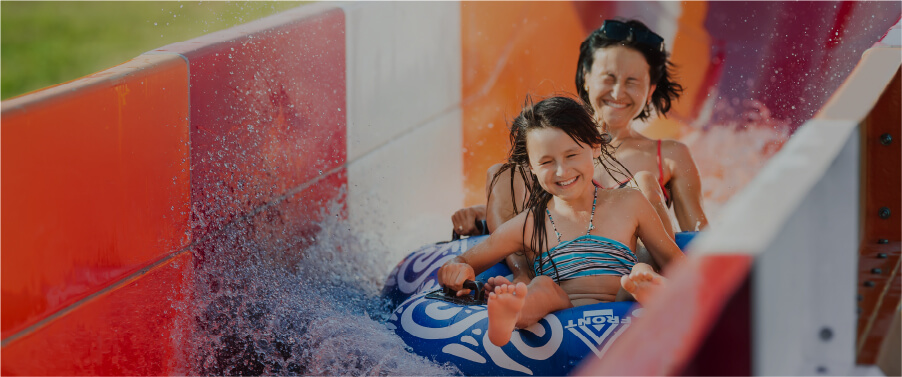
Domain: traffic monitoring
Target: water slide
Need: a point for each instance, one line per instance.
(231, 204)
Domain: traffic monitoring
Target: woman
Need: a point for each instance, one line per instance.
(624, 74)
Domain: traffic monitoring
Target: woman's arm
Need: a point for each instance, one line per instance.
(651, 231)
(649, 186)
(506, 240)
(686, 186)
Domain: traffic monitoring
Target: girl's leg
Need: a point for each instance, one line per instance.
(544, 296)
(518, 306)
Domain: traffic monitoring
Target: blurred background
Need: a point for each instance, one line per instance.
(45, 43)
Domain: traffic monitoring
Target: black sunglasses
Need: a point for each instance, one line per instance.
(620, 31)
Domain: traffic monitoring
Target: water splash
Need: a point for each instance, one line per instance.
(302, 305)
(736, 143)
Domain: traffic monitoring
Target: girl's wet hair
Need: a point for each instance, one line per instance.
(660, 68)
(573, 118)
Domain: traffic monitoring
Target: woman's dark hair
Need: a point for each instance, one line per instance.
(660, 68)
(568, 115)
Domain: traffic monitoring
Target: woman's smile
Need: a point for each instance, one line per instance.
(615, 104)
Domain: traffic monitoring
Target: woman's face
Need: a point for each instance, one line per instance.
(618, 84)
(563, 166)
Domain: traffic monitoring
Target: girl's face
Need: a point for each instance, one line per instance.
(618, 84)
(563, 166)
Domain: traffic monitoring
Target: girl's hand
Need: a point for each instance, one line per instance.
(453, 274)
(506, 240)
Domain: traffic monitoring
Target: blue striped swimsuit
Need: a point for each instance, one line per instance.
(586, 255)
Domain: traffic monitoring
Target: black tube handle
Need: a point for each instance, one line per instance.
(481, 226)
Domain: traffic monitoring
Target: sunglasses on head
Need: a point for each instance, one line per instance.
(620, 31)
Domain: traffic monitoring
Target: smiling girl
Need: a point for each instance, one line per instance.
(577, 238)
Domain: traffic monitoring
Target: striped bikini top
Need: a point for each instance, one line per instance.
(585, 255)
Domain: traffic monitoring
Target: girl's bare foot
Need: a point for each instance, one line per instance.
(642, 282)
(504, 311)
(496, 281)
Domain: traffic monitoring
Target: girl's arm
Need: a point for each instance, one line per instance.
(500, 209)
(651, 231)
(686, 187)
(506, 240)
(502, 204)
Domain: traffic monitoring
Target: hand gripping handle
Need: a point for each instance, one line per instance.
(475, 288)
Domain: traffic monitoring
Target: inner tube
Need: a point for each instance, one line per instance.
(682, 239)
(456, 333)
(450, 333)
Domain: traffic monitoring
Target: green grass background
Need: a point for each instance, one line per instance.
(43, 43)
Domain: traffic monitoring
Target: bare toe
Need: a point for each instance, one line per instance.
(627, 284)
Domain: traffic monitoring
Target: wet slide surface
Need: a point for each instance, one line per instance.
(222, 205)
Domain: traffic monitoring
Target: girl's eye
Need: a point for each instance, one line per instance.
(544, 163)
(572, 155)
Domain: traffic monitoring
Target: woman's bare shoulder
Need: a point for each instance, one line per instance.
(675, 150)
(625, 194)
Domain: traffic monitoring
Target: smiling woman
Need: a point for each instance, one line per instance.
(47, 43)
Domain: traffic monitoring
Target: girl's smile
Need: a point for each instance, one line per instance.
(567, 182)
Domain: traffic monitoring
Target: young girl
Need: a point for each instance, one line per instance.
(577, 238)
